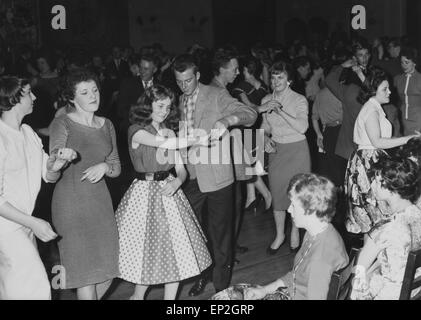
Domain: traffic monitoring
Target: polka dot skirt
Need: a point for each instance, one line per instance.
(160, 238)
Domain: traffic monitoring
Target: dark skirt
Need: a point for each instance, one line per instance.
(289, 160)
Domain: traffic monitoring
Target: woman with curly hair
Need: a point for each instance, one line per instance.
(82, 209)
(161, 241)
(313, 205)
(372, 134)
(381, 263)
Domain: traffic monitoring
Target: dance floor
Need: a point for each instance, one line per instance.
(254, 266)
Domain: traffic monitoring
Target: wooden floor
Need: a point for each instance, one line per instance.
(255, 266)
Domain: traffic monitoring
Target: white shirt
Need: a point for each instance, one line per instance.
(147, 84)
(360, 134)
(22, 164)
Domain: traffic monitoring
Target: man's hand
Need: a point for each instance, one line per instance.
(349, 63)
(171, 187)
(219, 129)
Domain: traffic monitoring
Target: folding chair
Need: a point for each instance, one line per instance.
(409, 281)
(341, 280)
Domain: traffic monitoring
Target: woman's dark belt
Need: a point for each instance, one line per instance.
(333, 124)
(153, 176)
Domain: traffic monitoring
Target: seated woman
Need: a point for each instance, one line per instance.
(411, 150)
(313, 203)
(382, 260)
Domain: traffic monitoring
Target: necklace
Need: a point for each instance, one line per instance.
(310, 242)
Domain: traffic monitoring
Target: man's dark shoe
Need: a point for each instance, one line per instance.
(198, 287)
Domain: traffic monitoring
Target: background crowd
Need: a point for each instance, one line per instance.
(335, 108)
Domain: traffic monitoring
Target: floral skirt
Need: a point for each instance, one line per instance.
(160, 238)
(236, 292)
(364, 211)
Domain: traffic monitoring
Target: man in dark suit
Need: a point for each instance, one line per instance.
(132, 88)
(353, 72)
(211, 110)
(117, 69)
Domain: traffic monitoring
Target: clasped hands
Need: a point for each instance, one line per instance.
(271, 106)
(59, 158)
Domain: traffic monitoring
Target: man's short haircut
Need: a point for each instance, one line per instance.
(360, 44)
(221, 58)
(150, 58)
(184, 62)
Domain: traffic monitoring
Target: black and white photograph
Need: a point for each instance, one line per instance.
(236, 150)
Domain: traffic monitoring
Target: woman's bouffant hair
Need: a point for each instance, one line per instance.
(11, 91)
(410, 53)
(282, 67)
(316, 193)
(410, 150)
(71, 80)
(372, 82)
(141, 112)
(254, 66)
(399, 175)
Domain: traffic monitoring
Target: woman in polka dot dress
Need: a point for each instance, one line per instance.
(160, 238)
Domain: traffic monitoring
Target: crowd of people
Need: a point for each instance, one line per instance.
(339, 120)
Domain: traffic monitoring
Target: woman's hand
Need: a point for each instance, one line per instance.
(60, 158)
(417, 135)
(42, 229)
(270, 105)
(95, 173)
(255, 293)
(269, 145)
(320, 141)
(171, 187)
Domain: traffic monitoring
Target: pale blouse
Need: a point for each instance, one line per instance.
(22, 164)
(295, 105)
(396, 238)
(360, 134)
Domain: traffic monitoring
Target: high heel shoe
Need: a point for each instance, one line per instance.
(271, 251)
(252, 206)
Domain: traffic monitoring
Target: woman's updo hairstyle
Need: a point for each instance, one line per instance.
(282, 67)
(70, 82)
(11, 91)
(399, 175)
(372, 82)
